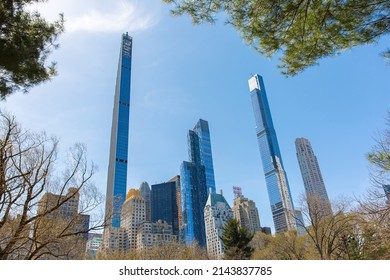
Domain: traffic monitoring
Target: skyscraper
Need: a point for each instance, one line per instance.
(164, 204)
(202, 131)
(196, 179)
(277, 185)
(246, 213)
(311, 174)
(193, 200)
(147, 196)
(117, 166)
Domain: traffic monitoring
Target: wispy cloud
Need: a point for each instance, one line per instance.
(124, 16)
(102, 16)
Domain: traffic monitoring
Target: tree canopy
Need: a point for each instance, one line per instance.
(302, 31)
(236, 241)
(26, 40)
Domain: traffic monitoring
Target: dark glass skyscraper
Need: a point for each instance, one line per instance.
(197, 178)
(117, 167)
(164, 204)
(193, 201)
(201, 130)
(277, 185)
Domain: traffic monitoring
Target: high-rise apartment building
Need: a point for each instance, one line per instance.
(216, 213)
(117, 166)
(193, 201)
(154, 234)
(146, 193)
(311, 174)
(133, 214)
(202, 132)
(276, 179)
(65, 220)
(176, 180)
(246, 213)
(135, 232)
(164, 204)
(196, 179)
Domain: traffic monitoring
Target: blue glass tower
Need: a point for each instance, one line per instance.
(201, 130)
(277, 185)
(117, 166)
(197, 179)
(193, 201)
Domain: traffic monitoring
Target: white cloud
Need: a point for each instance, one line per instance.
(102, 16)
(125, 16)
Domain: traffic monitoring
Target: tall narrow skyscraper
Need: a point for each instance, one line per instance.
(311, 174)
(197, 179)
(202, 131)
(117, 166)
(277, 185)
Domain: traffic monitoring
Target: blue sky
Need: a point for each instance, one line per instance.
(181, 73)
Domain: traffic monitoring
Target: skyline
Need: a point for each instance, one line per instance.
(172, 90)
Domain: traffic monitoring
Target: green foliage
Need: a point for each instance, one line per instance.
(236, 241)
(26, 39)
(304, 31)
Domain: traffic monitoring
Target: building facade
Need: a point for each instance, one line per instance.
(216, 213)
(246, 213)
(146, 194)
(276, 179)
(118, 159)
(164, 206)
(311, 175)
(133, 214)
(136, 233)
(64, 220)
(93, 244)
(154, 234)
(193, 201)
(204, 154)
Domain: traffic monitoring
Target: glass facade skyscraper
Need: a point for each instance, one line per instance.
(117, 167)
(164, 205)
(277, 185)
(197, 179)
(193, 201)
(201, 130)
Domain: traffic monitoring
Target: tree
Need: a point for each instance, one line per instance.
(167, 251)
(43, 212)
(303, 31)
(283, 246)
(236, 241)
(374, 206)
(26, 40)
(330, 232)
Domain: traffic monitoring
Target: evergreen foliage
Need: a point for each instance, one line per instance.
(26, 39)
(236, 241)
(303, 31)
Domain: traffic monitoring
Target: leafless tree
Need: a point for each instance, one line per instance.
(34, 223)
(329, 231)
(374, 206)
(168, 251)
